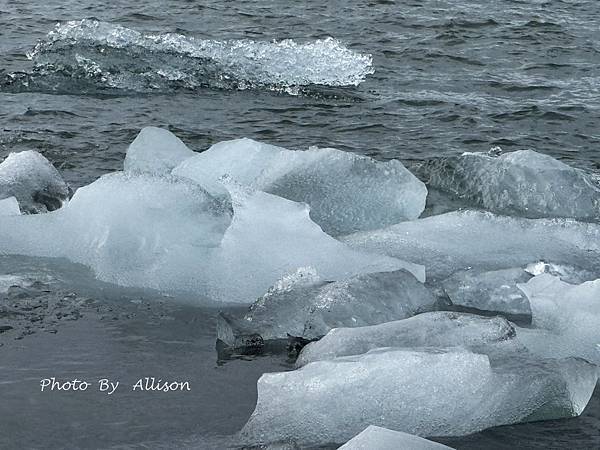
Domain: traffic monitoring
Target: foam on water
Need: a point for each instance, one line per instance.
(113, 56)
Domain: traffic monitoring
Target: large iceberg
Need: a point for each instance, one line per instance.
(431, 329)
(33, 181)
(523, 183)
(303, 306)
(346, 192)
(427, 392)
(569, 315)
(383, 439)
(483, 241)
(168, 233)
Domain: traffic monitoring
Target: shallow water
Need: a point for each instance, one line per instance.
(449, 76)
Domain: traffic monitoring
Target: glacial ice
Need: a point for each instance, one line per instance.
(9, 207)
(494, 290)
(523, 183)
(570, 313)
(346, 192)
(169, 234)
(483, 241)
(301, 305)
(155, 151)
(427, 392)
(113, 56)
(430, 329)
(377, 438)
(33, 181)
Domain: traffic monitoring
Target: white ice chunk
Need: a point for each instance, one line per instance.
(33, 181)
(570, 312)
(494, 290)
(309, 308)
(9, 207)
(346, 192)
(431, 329)
(524, 183)
(7, 281)
(155, 151)
(427, 392)
(169, 234)
(377, 438)
(484, 241)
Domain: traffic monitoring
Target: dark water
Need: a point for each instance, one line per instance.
(448, 77)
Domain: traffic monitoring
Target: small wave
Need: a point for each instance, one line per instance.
(98, 55)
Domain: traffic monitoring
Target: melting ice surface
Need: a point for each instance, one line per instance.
(523, 183)
(383, 439)
(113, 56)
(346, 192)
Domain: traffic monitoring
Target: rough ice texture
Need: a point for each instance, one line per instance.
(113, 56)
(155, 151)
(9, 207)
(462, 240)
(523, 183)
(431, 329)
(570, 313)
(377, 438)
(33, 181)
(346, 192)
(309, 308)
(169, 234)
(427, 392)
(494, 290)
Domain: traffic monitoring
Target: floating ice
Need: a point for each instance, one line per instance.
(308, 308)
(523, 183)
(169, 234)
(425, 392)
(346, 192)
(7, 281)
(112, 56)
(431, 329)
(33, 181)
(461, 240)
(383, 439)
(495, 290)
(155, 151)
(571, 313)
(9, 207)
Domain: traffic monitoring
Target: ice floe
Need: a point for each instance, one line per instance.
(383, 439)
(346, 192)
(33, 181)
(484, 241)
(427, 392)
(524, 183)
(304, 306)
